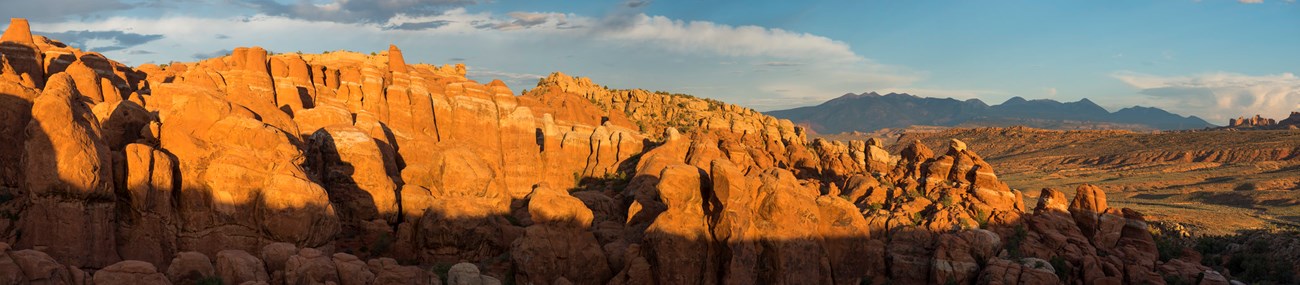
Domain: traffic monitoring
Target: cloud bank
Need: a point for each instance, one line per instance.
(102, 41)
(353, 11)
(1219, 96)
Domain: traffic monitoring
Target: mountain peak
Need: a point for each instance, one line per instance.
(1088, 103)
(900, 110)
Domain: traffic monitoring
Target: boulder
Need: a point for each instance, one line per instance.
(1051, 200)
(1029, 271)
(130, 272)
(956, 146)
(40, 268)
(352, 271)
(389, 272)
(147, 230)
(559, 243)
(87, 82)
(275, 255)
(846, 236)
(237, 266)
(121, 122)
(957, 256)
(69, 180)
(679, 237)
(189, 268)
(22, 53)
(311, 266)
(1087, 208)
(468, 274)
(788, 225)
(15, 112)
(352, 169)
(10, 273)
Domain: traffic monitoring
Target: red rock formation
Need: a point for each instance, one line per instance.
(71, 208)
(318, 162)
(559, 243)
(1252, 122)
(21, 53)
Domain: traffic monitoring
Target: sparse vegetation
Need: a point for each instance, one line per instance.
(1013, 242)
(441, 269)
(946, 201)
(982, 218)
(872, 207)
(1254, 263)
(1064, 270)
(382, 244)
(210, 280)
(1168, 248)
(1175, 280)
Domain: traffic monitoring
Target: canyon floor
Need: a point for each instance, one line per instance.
(1217, 181)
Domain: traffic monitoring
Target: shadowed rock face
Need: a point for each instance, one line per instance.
(356, 169)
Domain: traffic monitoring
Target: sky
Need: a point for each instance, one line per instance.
(1213, 59)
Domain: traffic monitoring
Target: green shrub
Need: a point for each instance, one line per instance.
(1168, 248)
(1174, 280)
(210, 280)
(1211, 245)
(441, 269)
(382, 244)
(1013, 242)
(872, 207)
(982, 218)
(946, 200)
(1064, 270)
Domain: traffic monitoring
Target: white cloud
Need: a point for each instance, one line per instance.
(352, 11)
(637, 51)
(728, 40)
(1250, 1)
(1050, 91)
(1219, 96)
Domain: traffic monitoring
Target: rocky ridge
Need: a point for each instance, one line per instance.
(871, 112)
(293, 169)
(1259, 122)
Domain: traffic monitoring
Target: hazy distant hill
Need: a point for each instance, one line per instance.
(871, 111)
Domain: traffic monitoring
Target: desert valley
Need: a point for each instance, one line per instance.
(343, 167)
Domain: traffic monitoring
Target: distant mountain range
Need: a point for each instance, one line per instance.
(869, 112)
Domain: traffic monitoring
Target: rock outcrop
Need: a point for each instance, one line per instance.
(345, 168)
(1258, 122)
(1252, 122)
(70, 195)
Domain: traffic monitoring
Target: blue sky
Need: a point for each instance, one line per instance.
(1213, 59)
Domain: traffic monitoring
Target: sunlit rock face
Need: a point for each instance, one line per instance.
(363, 169)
